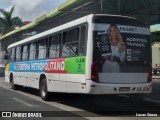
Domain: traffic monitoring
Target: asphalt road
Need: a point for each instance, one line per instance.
(69, 106)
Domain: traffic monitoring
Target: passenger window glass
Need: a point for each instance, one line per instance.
(42, 48)
(70, 43)
(66, 50)
(18, 53)
(25, 52)
(32, 51)
(54, 49)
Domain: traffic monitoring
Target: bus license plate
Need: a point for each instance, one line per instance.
(124, 89)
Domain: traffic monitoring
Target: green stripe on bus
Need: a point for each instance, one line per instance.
(75, 65)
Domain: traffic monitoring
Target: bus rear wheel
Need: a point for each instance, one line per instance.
(43, 90)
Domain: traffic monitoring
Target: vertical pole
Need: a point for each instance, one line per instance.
(101, 5)
(83, 4)
(159, 58)
(119, 6)
(135, 8)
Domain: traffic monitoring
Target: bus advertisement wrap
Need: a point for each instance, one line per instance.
(75, 65)
(122, 50)
(120, 47)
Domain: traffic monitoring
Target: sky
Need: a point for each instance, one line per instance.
(29, 10)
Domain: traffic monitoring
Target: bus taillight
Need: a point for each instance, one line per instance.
(94, 72)
(149, 73)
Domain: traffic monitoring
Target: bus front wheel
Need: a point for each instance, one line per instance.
(43, 90)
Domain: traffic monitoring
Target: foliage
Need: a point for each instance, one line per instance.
(155, 36)
(8, 22)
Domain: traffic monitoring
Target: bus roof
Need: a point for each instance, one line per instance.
(114, 15)
(51, 31)
(62, 27)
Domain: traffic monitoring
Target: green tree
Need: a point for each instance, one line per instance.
(8, 22)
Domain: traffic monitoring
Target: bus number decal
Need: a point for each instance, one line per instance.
(143, 88)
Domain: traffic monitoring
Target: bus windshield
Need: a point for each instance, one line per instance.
(122, 49)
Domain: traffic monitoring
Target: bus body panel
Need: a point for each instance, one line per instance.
(19, 78)
(76, 87)
(69, 83)
(89, 53)
(33, 80)
(57, 86)
(121, 78)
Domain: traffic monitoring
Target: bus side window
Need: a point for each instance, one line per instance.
(83, 40)
(54, 48)
(32, 51)
(70, 42)
(74, 45)
(65, 48)
(42, 48)
(24, 52)
(13, 55)
(18, 53)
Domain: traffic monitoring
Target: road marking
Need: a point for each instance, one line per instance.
(151, 100)
(124, 96)
(22, 102)
(35, 97)
(54, 104)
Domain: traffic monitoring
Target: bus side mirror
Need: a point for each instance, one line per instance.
(6, 56)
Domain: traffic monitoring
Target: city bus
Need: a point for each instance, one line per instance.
(96, 54)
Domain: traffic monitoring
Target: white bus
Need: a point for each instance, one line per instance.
(95, 54)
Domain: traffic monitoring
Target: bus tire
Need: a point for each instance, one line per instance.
(14, 87)
(43, 90)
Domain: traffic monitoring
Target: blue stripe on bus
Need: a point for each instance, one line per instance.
(29, 66)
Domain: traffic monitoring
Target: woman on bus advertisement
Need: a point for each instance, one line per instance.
(118, 50)
(121, 48)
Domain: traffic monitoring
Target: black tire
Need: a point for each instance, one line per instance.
(43, 90)
(14, 87)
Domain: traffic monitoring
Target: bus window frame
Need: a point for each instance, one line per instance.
(64, 31)
(85, 39)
